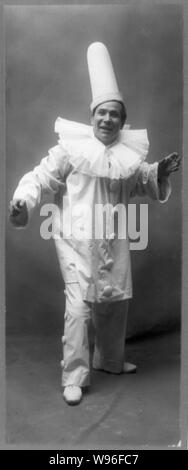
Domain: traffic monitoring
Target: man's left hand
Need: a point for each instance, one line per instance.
(168, 165)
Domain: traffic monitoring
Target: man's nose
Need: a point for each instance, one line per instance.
(107, 117)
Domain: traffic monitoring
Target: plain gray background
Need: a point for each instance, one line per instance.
(46, 77)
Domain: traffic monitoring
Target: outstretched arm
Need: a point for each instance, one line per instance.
(153, 179)
(46, 177)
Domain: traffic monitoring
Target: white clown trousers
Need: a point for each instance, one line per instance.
(82, 322)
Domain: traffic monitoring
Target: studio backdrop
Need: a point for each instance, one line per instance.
(47, 77)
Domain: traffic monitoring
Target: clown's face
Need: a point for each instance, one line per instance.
(107, 121)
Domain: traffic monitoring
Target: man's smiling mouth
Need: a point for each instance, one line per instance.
(106, 129)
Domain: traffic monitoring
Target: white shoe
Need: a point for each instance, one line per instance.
(129, 368)
(72, 394)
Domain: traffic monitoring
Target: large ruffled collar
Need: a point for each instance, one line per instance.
(89, 156)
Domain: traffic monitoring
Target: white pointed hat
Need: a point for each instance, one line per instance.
(104, 86)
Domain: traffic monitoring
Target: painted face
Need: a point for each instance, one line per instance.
(107, 121)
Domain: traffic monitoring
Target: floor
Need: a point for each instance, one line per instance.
(119, 412)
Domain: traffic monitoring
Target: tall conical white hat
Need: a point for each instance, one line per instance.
(104, 86)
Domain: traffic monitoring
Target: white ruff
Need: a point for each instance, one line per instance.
(89, 156)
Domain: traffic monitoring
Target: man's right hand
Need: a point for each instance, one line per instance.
(18, 212)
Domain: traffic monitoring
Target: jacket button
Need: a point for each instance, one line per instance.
(107, 291)
(109, 263)
(63, 339)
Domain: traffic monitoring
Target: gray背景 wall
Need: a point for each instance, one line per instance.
(46, 77)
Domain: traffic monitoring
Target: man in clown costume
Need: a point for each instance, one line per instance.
(103, 164)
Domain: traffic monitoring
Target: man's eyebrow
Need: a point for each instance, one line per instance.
(109, 110)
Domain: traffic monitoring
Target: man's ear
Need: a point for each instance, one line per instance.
(91, 119)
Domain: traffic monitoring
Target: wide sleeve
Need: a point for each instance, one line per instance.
(145, 182)
(47, 177)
